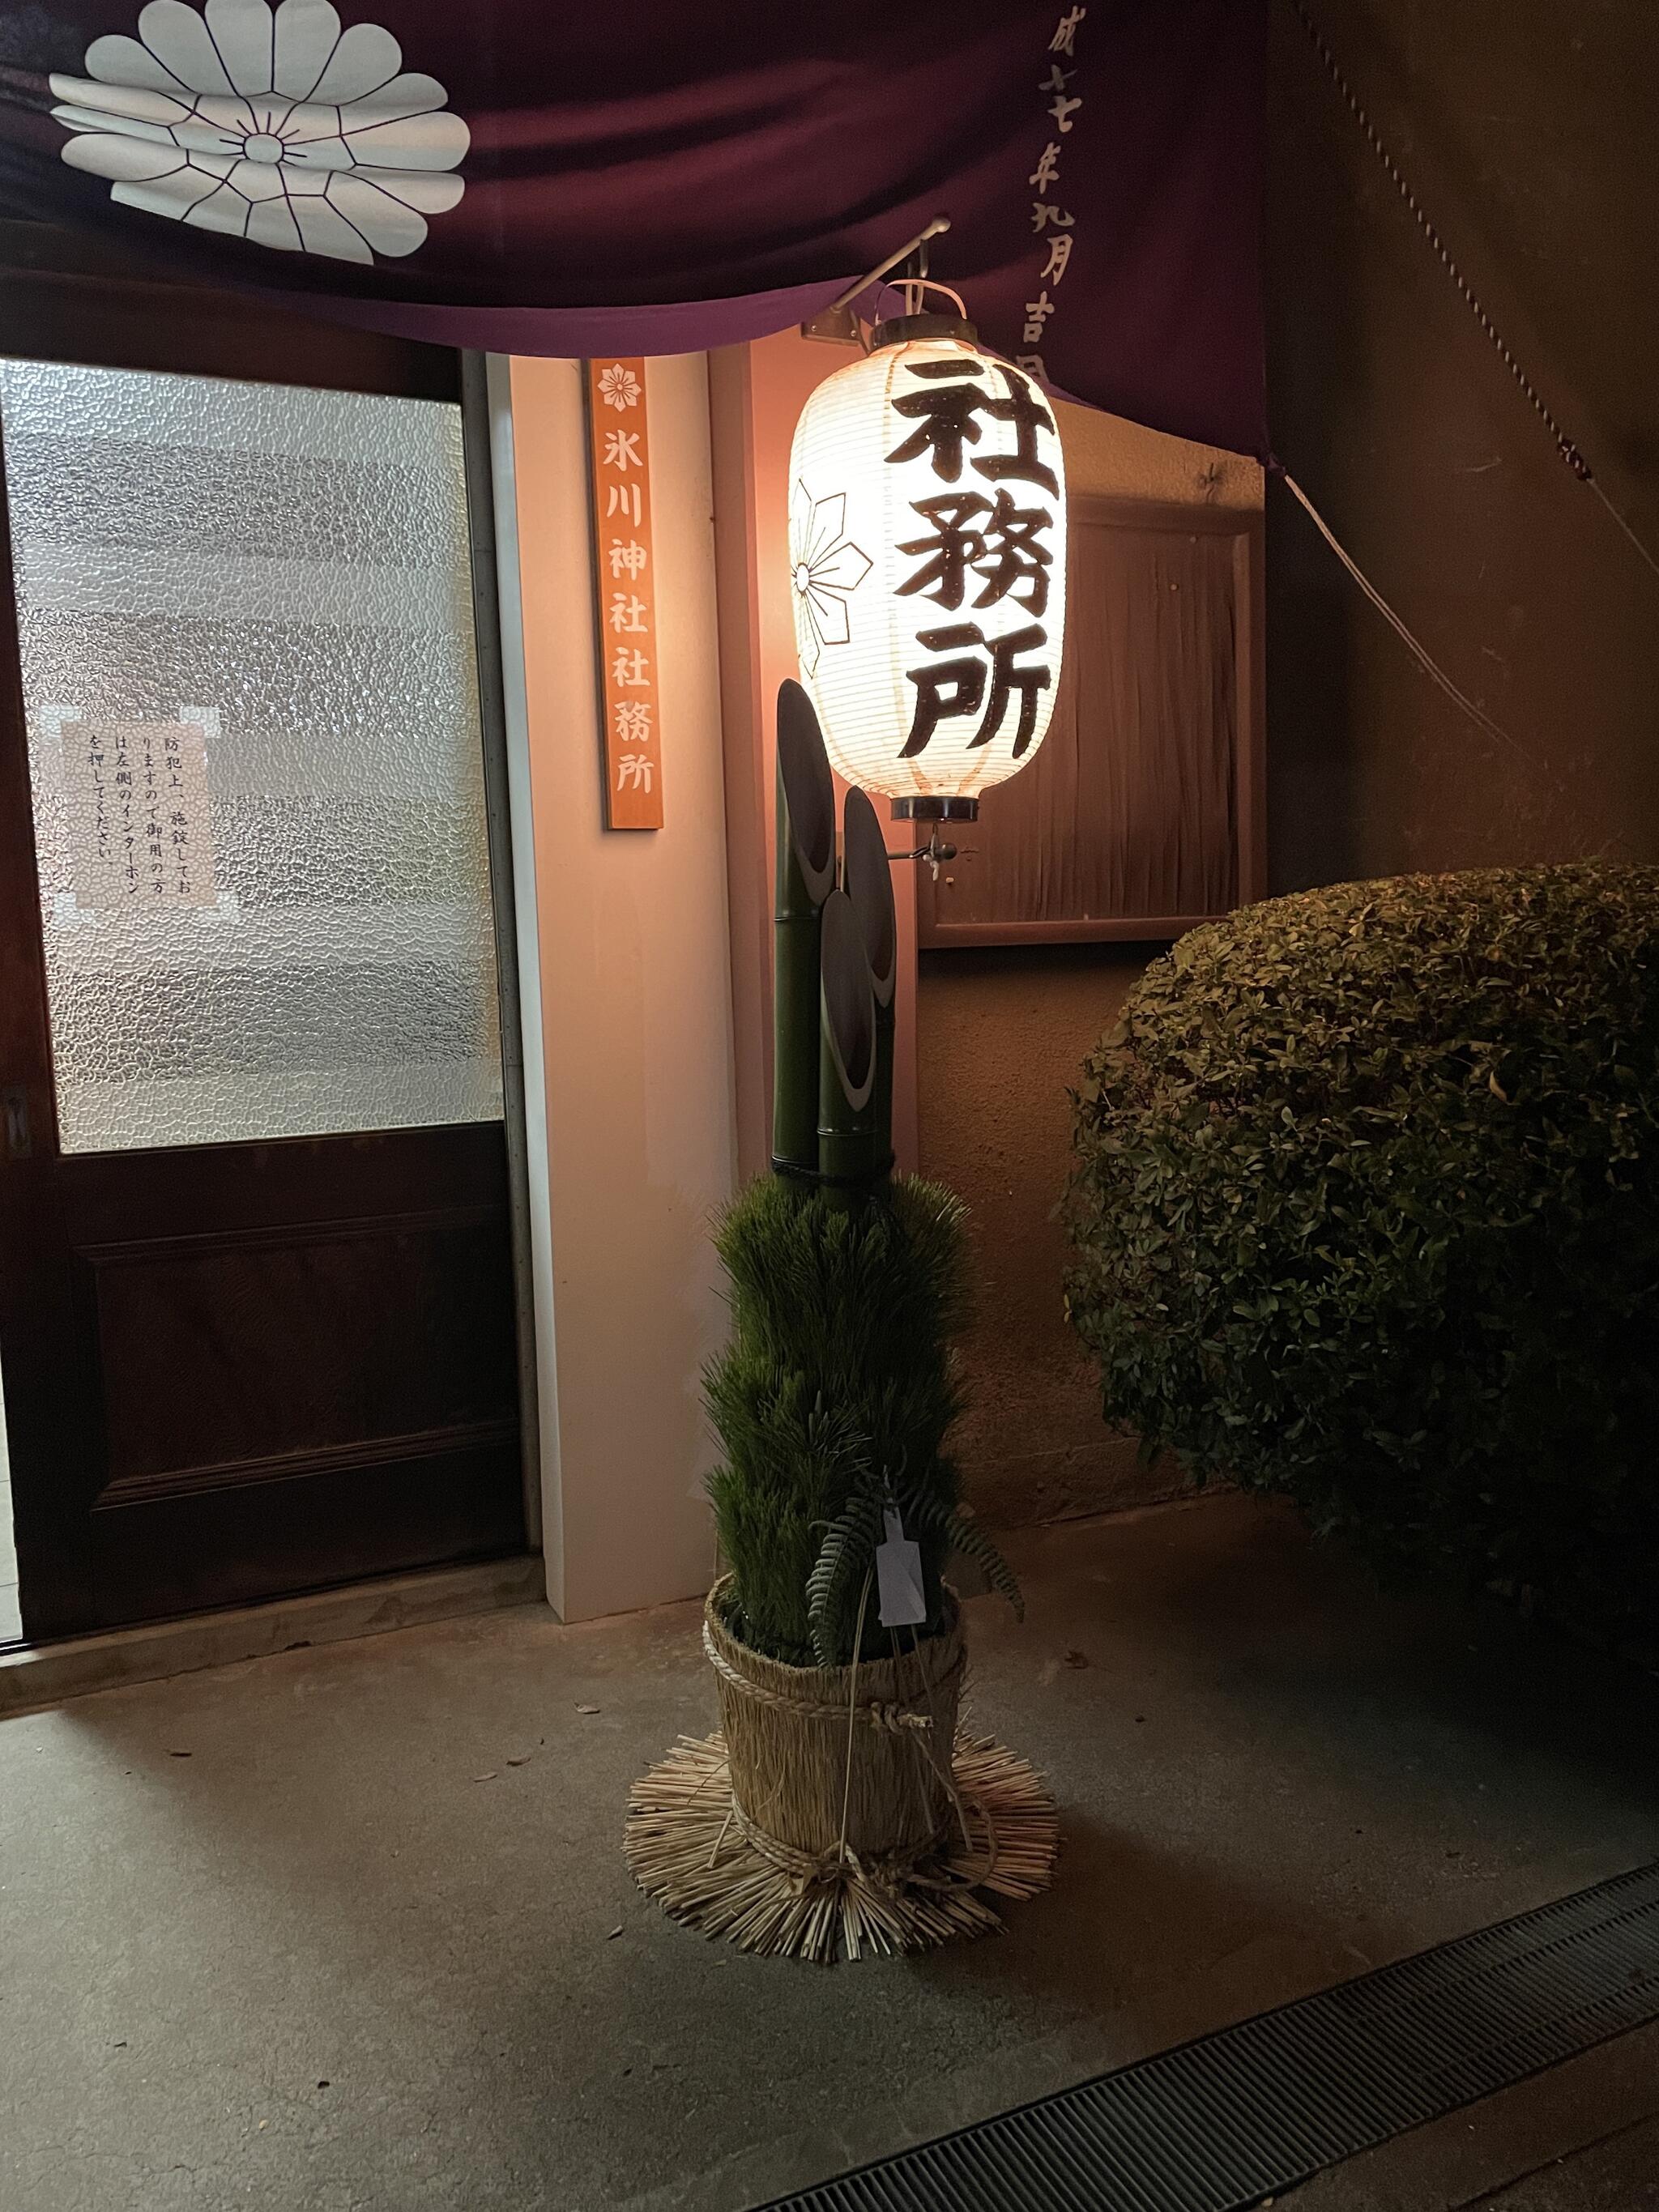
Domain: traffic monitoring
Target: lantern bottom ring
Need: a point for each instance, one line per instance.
(923, 807)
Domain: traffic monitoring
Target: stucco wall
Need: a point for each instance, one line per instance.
(628, 1014)
(1000, 1034)
(1527, 131)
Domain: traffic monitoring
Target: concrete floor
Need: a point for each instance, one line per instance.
(349, 1926)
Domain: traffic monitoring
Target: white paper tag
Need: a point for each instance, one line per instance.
(898, 1578)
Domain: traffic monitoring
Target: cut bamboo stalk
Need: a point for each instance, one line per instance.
(869, 879)
(849, 1158)
(805, 877)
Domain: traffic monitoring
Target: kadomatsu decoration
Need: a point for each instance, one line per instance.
(839, 1809)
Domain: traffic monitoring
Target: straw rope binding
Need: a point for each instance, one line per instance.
(879, 1713)
(710, 1867)
(798, 1840)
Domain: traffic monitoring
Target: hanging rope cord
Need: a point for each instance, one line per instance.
(1420, 653)
(1566, 446)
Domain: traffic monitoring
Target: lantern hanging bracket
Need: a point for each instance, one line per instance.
(837, 320)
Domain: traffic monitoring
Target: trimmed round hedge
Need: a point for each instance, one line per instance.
(1366, 1212)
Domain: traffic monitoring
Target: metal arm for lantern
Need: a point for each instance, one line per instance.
(837, 322)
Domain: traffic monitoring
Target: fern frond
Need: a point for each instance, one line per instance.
(849, 1546)
(959, 1527)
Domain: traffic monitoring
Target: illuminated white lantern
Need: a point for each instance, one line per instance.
(928, 553)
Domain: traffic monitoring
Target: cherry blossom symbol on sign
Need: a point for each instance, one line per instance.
(825, 566)
(619, 387)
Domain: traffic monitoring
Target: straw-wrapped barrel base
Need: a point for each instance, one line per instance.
(690, 1849)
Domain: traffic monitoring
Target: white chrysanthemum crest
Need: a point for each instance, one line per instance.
(276, 125)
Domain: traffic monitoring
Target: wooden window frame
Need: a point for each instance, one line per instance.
(70, 296)
(1245, 526)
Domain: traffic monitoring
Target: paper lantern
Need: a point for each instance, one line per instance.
(928, 554)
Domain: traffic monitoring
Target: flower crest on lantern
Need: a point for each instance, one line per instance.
(823, 567)
(927, 551)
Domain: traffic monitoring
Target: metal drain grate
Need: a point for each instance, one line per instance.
(1220, 2122)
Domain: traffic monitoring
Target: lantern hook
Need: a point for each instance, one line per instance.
(935, 852)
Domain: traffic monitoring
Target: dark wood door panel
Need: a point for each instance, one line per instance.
(157, 1556)
(114, 1197)
(234, 1348)
(270, 1405)
(286, 1366)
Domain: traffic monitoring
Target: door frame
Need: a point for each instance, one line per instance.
(70, 299)
(481, 504)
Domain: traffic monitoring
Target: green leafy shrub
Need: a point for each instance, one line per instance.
(1366, 1212)
(832, 1399)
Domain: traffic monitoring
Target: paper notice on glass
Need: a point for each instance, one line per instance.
(903, 1603)
(140, 834)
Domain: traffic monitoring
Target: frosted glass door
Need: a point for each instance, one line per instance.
(246, 627)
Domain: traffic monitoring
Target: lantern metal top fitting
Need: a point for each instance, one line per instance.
(927, 555)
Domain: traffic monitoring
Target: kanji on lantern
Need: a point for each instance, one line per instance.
(999, 545)
(947, 417)
(975, 671)
(928, 554)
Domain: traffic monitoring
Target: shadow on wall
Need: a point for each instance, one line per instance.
(1002, 1032)
(1526, 128)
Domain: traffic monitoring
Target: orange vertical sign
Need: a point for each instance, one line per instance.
(624, 560)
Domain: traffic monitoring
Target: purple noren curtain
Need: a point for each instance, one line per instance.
(665, 176)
